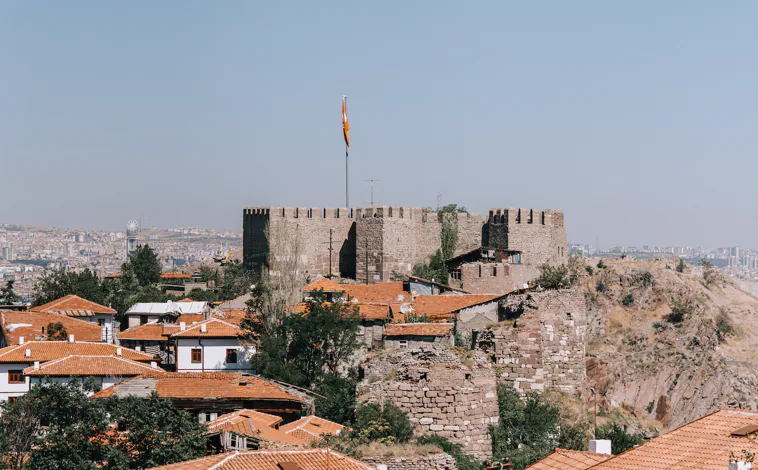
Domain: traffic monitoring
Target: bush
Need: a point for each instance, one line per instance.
(589, 270)
(462, 460)
(681, 266)
(724, 326)
(553, 277)
(643, 278)
(628, 300)
(601, 265)
(621, 440)
(680, 310)
(601, 286)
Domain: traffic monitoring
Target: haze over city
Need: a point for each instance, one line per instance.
(635, 120)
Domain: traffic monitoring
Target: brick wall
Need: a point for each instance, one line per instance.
(441, 394)
(539, 235)
(414, 462)
(544, 346)
(496, 278)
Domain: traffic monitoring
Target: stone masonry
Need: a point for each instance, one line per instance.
(374, 242)
(439, 461)
(441, 393)
(541, 342)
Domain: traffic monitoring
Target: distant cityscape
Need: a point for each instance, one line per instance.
(29, 252)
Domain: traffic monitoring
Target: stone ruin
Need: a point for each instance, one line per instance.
(443, 391)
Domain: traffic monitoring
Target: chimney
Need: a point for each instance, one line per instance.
(28, 353)
(118, 351)
(138, 348)
(71, 338)
(203, 328)
(36, 365)
(153, 364)
(182, 326)
(20, 340)
(600, 446)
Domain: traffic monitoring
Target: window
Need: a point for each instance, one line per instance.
(197, 355)
(231, 356)
(403, 344)
(12, 400)
(16, 377)
(494, 270)
(233, 440)
(456, 275)
(143, 320)
(101, 322)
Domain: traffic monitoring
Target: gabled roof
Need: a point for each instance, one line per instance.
(214, 328)
(373, 311)
(73, 305)
(43, 351)
(440, 307)
(310, 459)
(201, 385)
(310, 428)
(99, 366)
(380, 293)
(704, 444)
(150, 332)
(438, 284)
(418, 329)
(324, 284)
(251, 423)
(30, 325)
(563, 459)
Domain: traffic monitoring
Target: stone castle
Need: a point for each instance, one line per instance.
(372, 243)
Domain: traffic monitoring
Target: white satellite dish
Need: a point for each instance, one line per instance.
(400, 297)
(354, 300)
(405, 308)
(526, 286)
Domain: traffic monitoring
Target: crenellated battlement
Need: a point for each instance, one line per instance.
(300, 212)
(512, 215)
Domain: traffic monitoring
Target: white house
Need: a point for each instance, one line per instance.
(77, 307)
(106, 370)
(14, 360)
(211, 345)
(143, 313)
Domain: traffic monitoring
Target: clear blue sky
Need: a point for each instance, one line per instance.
(638, 119)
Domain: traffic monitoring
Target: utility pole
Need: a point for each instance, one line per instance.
(330, 253)
(366, 260)
(372, 189)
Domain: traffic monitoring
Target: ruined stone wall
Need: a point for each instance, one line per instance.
(539, 235)
(441, 393)
(544, 346)
(439, 461)
(309, 228)
(496, 278)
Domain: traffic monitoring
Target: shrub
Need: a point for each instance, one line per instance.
(601, 286)
(681, 266)
(628, 300)
(658, 327)
(589, 270)
(680, 310)
(553, 277)
(643, 278)
(462, 460)
(601, 265)
(620, 439)
(724, 326)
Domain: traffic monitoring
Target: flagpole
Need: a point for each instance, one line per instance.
(347, 191)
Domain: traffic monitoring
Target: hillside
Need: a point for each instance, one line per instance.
(677, 348)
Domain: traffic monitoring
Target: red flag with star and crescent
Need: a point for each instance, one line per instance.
(345, 123)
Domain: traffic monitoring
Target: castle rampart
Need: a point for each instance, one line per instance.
(376, 241)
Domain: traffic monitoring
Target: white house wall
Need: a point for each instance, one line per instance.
(214, 355)
(12, 390)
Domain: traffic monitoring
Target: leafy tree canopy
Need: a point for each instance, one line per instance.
(621, 440)
(435, 270)
(61, 283)
(8, 295)
(145, 265)
(56, 331)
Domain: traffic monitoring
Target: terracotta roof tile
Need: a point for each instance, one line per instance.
(251, 423)
(31, 324)
(214, 328)
(50, 350)
(72, 303)
(563, 459)
(91, 366)
(381, 293)
(234, 316)
(203, 385)
(149, 332)
(310, 459)
(418, 329)
(440, 307)
(324, 284)
(703, 444)
(310, 428)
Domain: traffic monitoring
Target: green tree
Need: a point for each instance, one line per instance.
(621, 440)
(531, 428)
(61, 283)
(156, 433)
(553, 277)
(435, 270)
(8, 295)
(236, 281)
(416, 318)
(628, 300)
(208, 274)
(463, 461)
(200, 295)
(601, 264)
(145, 265)
(681, 266)
(56, 331)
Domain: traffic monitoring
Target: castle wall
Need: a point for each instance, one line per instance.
(413, 462)
(496, 278)
(539, 235)
(545, 346)
(438, 392)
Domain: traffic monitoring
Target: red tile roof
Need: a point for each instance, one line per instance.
(563, 459)
(310, 459)
(207, 385)
(418, 329)
(214, 328)
(325, 285)
(150, 332)
(30, 325)
(310, 428)
(440, 307)
(91, 366)
(50, 350)
(381, 293)
(73, 303)
(251, 423)
(704, 444)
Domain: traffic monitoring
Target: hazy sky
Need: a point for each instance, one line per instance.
(638, 119)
